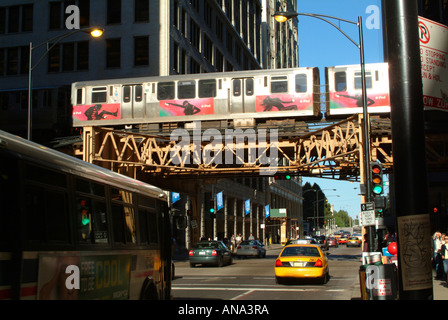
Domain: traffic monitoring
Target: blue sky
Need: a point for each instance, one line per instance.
(321, 45)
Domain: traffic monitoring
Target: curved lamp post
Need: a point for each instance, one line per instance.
(94, 32)
(284, 16)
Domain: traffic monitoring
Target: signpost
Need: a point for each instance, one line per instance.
(367, 214)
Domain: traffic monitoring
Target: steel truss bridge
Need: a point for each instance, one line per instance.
(324, 149)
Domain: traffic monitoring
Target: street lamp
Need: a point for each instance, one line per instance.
(94, 32)
(282, 17)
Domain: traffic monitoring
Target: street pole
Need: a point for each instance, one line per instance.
(408, 136)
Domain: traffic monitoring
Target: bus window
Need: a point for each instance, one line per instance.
(207, 88)
(148, 227)
(301, 83)
(99, 95)
(186, 89)
(123, 224)
(89, 187)
(42, 175)
(340, 81)
(92, 221)
(46, 215)
(165, 90)
(279, 84)
(358, 83)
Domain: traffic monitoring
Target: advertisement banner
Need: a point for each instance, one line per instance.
(434, 55)
(101, 277)
(284, 102)
(106, 111)
(170, 108)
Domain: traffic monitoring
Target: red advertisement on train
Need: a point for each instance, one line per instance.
(174, 108)
(346, 99)
(284, 102)
(106, 111)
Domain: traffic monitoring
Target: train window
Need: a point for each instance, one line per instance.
(165, 90)
(340, 80)
(99, 95)
(138, 93)
(79, 96)
(358, 83)
(301, 83)
(236, 87)
(207, 88)
(249, 87)
(279, 84)
(186, 89)
(126, 94)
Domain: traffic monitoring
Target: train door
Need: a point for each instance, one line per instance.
(133, 104)
(242, 95)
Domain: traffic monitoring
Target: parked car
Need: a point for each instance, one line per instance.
(210, 253)
(250, 248)
(301, 261)
(332, 242)
(353, 242)
(322, 242)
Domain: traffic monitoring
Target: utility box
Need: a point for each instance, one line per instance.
(381, 282)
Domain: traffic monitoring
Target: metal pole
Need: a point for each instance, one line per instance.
(366, 139)
(408, 136)
(30, 92)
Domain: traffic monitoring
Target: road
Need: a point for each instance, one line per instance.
(253, 279)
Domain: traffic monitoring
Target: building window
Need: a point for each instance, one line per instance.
(141, 51)
(55, 15)
(113, 11)
(141, 10)
(113, 53)
(12, 61)
(27, 17)
(83, 56)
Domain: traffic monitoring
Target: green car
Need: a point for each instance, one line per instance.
(210, 253)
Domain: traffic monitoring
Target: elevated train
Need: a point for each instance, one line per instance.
(236, 99)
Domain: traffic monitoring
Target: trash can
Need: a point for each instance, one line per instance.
(381, 282)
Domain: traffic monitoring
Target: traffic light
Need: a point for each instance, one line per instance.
(211, 208)
(282, 176)
(376, 173)
(85, 217)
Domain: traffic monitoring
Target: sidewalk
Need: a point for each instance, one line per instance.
(440, 290)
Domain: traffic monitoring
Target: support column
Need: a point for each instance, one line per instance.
(408, 136)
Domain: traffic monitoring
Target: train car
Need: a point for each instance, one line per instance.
(242, 98)
(344, 89)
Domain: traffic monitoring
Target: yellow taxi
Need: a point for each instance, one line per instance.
(304, 261)
(353, 242)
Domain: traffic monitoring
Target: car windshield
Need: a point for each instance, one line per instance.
(300, 251)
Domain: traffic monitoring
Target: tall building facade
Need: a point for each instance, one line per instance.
(141, 38)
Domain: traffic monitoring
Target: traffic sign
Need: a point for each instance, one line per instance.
(367, 217)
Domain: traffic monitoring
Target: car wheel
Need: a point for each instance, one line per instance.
(220, 262)
(192, 265)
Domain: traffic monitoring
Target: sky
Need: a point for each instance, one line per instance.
(321, 45)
